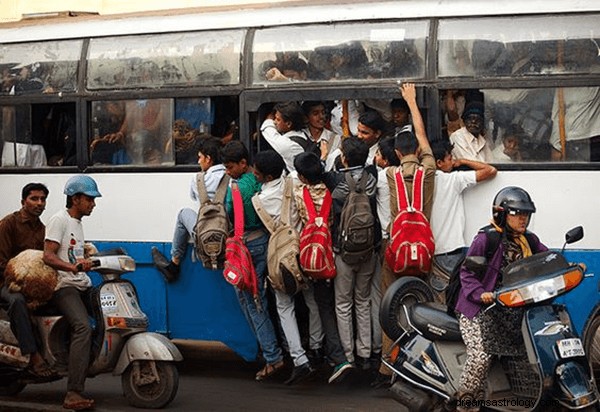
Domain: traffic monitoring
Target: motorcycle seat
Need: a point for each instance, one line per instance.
(433, 322)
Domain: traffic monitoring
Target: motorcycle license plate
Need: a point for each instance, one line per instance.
(569, 348)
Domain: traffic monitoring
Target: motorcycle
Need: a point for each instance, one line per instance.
(120, 341)
(550, 372)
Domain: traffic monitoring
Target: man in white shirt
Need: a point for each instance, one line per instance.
(469, 141)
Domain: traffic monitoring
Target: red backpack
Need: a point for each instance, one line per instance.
(316, 249)
(411, 246)
(239, 269)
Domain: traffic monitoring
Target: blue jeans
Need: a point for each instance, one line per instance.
(184, 229)
(259, 320)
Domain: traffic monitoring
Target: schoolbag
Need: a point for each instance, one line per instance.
(356, 235)
(316, 248)
(212, 225)
(284, 271)
(411, 246)
(307, 144)
(238, 269)
(493, 241)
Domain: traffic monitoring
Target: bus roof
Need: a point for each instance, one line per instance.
(260, 16)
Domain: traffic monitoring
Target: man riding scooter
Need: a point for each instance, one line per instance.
(487, 331)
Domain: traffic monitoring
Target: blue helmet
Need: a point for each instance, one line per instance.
(81, 184)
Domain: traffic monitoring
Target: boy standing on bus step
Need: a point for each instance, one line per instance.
(235, 158)
(316, 119)
(413, 150)
(209, 159)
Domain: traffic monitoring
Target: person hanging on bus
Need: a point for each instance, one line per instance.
(316, 120)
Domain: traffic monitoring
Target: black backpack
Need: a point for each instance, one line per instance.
(307, 144)
(493, 241)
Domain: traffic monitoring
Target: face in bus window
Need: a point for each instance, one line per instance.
(474, 124)
(317, 117)
(370, 136)
(281, 125)
(400, 117)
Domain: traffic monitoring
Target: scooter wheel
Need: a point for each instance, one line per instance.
(406, 291)
(413, 398)
(11, 388)
(591, 342)
(145, 390)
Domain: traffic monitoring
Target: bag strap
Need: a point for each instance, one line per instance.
(263, 215)
(310, 206)
(286, 202)
(418, 181)
(417, 192)
(202, 193)
(308, 202)
(326, 206)
(238, 210)
(219, 193)
(221, 189)
(362, 183)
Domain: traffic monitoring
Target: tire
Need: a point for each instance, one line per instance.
(11, 389)
(412, 398)
(405, 291)
(591, 343)
(152, 395)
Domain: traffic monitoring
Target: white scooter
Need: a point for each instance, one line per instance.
(120, 341)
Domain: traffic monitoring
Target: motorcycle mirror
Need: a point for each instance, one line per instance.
(476, 264)
(574, 235)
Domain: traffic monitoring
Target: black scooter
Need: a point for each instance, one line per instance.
(551, 372)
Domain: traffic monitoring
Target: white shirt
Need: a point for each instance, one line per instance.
(212, 178)
(271, 195)
(282, 144)
(68, 233)
(582, 114)
(448, 211)
(467, 146)
(382, 195)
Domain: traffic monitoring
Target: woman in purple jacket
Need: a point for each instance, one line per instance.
(487, 332)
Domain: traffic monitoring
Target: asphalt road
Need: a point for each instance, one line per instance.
(212, 378)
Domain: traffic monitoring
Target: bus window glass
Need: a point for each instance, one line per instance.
(44, 67)
(529, 125)
(520, 46)
(342, 51)
(179, 59)
(132, 132)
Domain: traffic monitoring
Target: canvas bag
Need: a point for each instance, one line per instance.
(212, 225)
(357, 223)
(284, 246)
(411, 247)
(316, 248)
(239, 269)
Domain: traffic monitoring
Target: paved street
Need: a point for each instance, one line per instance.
(214, 379)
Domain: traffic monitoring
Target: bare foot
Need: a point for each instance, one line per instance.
(76, 402)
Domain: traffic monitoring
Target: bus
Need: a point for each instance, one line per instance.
(126, 98)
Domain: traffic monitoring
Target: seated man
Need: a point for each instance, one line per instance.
(19, 231)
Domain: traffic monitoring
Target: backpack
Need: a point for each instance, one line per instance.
(284, 271)
(239, 269)
(411, 247)
(316, 249)
(212, 225)
(307, 144)
(493, 241)
(356, 234)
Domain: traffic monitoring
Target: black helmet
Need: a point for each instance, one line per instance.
(513, 199)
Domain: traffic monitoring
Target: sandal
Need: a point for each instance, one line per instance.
(41, 370)
(78, 403)
(269, 370)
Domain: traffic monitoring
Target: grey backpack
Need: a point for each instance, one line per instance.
(212, 225)
(357, 223)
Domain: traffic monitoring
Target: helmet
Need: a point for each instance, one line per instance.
(81, 184)
(513, 199)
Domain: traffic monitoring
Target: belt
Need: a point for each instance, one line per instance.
(253, 235)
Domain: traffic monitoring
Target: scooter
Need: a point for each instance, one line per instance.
(550, 372)
(120, 341)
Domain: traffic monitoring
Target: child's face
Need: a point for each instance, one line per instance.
(400, 117)
(236, 169)
(446, 164)
(205, 162)
(379, 160)
(370, 136)
(281, 125)
(260, 176)
(317, 117)
(511, 145)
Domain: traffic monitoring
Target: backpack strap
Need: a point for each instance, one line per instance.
(401, 193)
(310, 205)
(418, 181)
(417, 191)
(308, 202)
(326, 206)
(221, 189)
(262, 214)
(494, 238)
(301, 141)
(362, 183)
(238, 211)
(286, 202)
(219, 193)
(202, 193)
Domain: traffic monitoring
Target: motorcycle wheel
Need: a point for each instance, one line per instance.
(12, 389)
(405, 291)
(591, 343)
(154, 394)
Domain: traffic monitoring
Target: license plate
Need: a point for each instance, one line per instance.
(569, 348)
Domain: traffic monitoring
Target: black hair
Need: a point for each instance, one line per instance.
(309, 166)
(30, 187)
(400, 104)
(211, 146)
(296, 64)
(269, 162)
(291, 112)
(373, 120)
(406, 143)
(441, 148)
(308, 105)
(387, 148)
(234, 151)
(355, 151)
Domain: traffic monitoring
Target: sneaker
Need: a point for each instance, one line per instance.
(339, 372)
(169, 270)
(299, 373)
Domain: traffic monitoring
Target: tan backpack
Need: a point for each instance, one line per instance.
(283, 250)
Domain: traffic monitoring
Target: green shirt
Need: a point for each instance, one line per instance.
(248, 186)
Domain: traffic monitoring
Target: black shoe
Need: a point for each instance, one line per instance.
(300, 373)
(381, 381)
(315, 357)
(363, 364)
(375, 360)
(169, 270)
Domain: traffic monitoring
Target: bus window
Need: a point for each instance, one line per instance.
(178, 59)
(44, 67)
(132, 132)
(342, 51)
(532, 125)
(521, 46)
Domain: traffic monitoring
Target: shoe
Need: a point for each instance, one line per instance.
(315, 357)
(375, 360)
(269, 370)
(339, 372)
(169, 270)
(299, 373)
(381, 381)
(363, 364)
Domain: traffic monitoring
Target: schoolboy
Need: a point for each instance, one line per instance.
(235, 158)
(310, 173)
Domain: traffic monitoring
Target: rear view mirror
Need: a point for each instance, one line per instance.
(574, 235)
(476, 264)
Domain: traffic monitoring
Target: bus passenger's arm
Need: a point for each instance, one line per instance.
(483, 171)
(409, 94)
